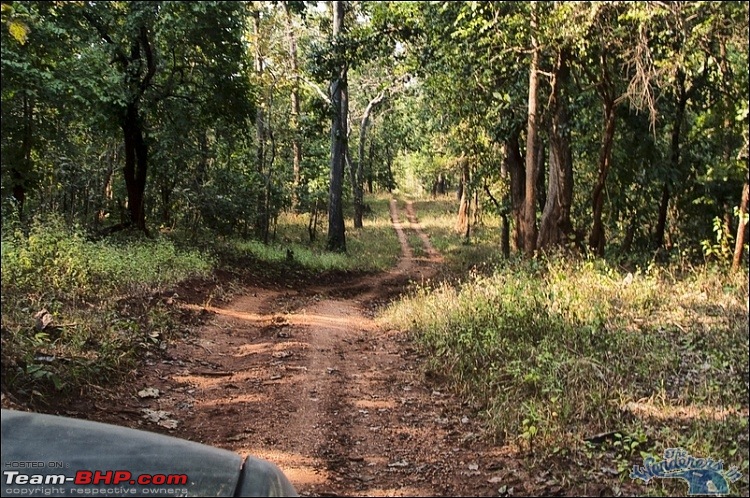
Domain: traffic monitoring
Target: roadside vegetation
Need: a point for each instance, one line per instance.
(79, 313)
(585, 359)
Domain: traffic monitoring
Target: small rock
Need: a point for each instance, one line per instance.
(168, 424)
(43, 320)
(149, 392)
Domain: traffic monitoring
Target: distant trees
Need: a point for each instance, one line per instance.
(611, 127)
(624, 113)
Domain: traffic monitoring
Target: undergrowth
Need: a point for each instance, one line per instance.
(372, 248)
(567, 357)
(69, 317)
(79, 312)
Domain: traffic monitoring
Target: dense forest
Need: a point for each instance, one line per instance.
(612, 127)
(543, 207)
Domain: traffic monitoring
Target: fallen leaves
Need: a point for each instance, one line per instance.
(160, 418)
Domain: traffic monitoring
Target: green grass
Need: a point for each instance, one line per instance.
(59, 262)
(375, 247)
(437, 217)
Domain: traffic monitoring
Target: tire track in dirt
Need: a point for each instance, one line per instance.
(307, 380)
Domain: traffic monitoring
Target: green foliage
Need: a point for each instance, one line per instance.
(58, 262)
(85, 286)
(373, 248)
(721, 248)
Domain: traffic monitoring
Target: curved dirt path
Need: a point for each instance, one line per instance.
(307, 380)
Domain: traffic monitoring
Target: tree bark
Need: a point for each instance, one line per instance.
(339, 102)
(555, 226)
(597, 238)
(358, 184)
(20, 174)
(514, 165)
(739, 244)
(370, 155)
(505, 221)
(262, 222)
(295, 110)
(136, 165)
(463, 221)
(528, 227)
(674, 162)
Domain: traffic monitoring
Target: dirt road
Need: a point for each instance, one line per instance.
(307, 380)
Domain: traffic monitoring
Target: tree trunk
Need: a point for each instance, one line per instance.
(339, 103)
(739, 244)
(295, 111)
(262, 221)
(370, 155)
(389, 169)
(505, 221)
(627, 242)
(136, 166)
(597, 238)
(555, 226)
(674, 162)
(358, 177)
(20, 175)
(528, 227)
(464, 208)
(541, 179)
(514, 165)
(136, 83)
(661, 222)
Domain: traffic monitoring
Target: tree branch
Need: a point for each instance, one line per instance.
(317, 89)
(96, 24)
(151, 63)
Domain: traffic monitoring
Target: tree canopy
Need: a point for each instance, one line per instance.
(602, 127)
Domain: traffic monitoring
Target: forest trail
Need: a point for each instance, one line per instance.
(306, 379)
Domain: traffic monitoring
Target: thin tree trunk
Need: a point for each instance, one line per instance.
(370, 155)
(295, 111)
(739, 244)
(389, 169)
(514, 165)
(674, 163)
(261, 214)
(528, 228)
(505, 221)
(358, 177)
(463, 220)
(339, 102)
(597, 238)
(19, 175)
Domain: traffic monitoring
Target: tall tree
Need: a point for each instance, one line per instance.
(339, 136)
(135, 57)
(529, 228)
(295, 104)
(555, 227)
(358, 179)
